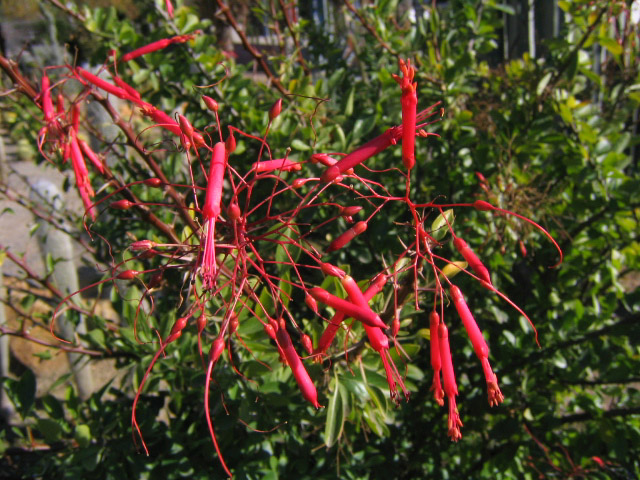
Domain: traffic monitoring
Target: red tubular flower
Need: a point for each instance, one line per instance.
(450, 386)
(363, 314)
(300, 373)
(474, 262)
(436, 361)
(283, 164)
(479, 345)
(347, 236)
(409, 105)
(82, 175)
(377, 338)
(366, 151)
(91, 155)
(334, 324)
(211, 211)
(157, 45)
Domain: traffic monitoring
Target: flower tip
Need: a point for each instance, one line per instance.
(495, 395)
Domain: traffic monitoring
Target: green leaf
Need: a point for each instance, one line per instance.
(298, 144)
(542, 84)
(53, 407)
(335, 417)
(97, 336)
(379, 399)
(610, 44)
(26, 391)
(348, 107)
(439, 226)
(50, 429)
(450, 270)
(504, 8)
(82, 435)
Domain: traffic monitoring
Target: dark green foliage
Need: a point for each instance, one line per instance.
(556, 140)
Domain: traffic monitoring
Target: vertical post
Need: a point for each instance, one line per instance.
(58, 245)
(6, 407)
(531, 28)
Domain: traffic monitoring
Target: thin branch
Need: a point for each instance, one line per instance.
(68, 11)
(296, 42)
(371, 30)
(42, 281)
(614, 412)
(257, 55)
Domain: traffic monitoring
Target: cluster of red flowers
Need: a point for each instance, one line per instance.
(235, 259)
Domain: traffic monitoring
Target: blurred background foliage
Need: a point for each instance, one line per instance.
(551, 123)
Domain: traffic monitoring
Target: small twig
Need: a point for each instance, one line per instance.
(42, 281)
(53, 221)
(296, 42)
(371, 30)
(257, 55)
(68, 11)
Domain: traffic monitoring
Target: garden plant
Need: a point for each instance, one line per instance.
(299, 249)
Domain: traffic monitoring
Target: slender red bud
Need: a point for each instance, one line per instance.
(270, 331)
(233, 323)
(210, 103)
(155, 280)
(47, 103)
(347, 236)
(230, 143)
(274, 323)
(104, 85)
(213, 196)
(275, 110)
(395, 327)
(409, 104)
(177, 328)
(122, 204)
(155, 46)
(126, 87)
(216, 349)
(142, 245)
(332, 270)
(300, 373)
(473, 260)
(324, 159)
(153, 182)
(306, 343)
(201, 322)
(359, 313)
(299, 182)
(128, 275)
(483, 206)
(350, 211)
(234, 211)
(283, 164)
(169, 7)
(523, 248)
(60, 106)
(185, 126)
(311, 303)
(91, 155)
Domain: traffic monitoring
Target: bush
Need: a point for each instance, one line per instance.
(548, 138)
